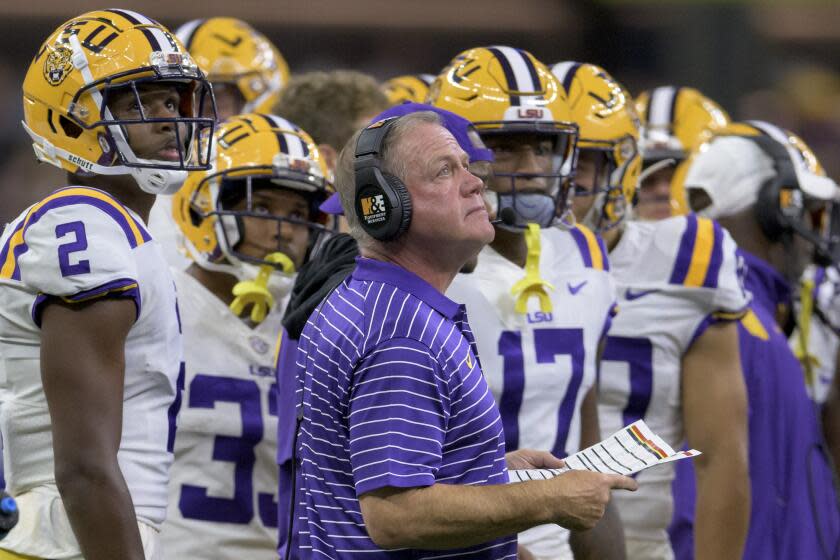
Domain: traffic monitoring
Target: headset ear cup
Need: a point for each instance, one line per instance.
(768, 212)
(402, 214)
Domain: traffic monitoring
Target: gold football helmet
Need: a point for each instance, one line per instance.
(86, 63)
(232, 52)
(676, 120)
(253, 151)
(609, 129)
(520, 110)
(411, 88)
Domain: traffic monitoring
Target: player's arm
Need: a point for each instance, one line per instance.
(605, 541)
(445, 516)
(831, 415)
(82, 368)
(715, 418)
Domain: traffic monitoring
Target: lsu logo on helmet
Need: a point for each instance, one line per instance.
(57, 65)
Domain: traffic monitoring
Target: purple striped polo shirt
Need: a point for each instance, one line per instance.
(393, 395)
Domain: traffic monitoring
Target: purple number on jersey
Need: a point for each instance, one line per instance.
(195, 503)
(175, 408)
(267, 503)
(79, 243)
(548, 343)
(638, 353)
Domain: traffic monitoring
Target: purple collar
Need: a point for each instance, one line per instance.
(407, 281)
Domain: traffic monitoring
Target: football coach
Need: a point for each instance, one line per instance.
(400, 444)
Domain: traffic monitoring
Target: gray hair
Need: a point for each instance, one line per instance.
(394, 162)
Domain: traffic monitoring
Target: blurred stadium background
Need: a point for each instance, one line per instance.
(773, 60)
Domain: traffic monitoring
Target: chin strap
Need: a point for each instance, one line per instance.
(255, 292)
(532, 285)
(806, 311)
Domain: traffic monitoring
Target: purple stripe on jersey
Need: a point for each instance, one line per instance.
(580, 239)
(117, 289)
(109, 209)
(604, 252)
(5, 251)
(608, 321)
(392, 395)
(711, 280)
(510, 349)
(686, 250)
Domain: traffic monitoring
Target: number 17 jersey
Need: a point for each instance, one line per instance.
(540, 364)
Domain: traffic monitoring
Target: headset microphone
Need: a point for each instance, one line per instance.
(507, 216)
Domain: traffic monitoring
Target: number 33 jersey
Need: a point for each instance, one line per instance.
(223, 488)
(674, 278)
(540, 365)
(77, 245)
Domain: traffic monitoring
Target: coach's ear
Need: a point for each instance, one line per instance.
(330, 156)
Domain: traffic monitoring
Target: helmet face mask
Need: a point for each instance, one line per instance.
(261, 197)
(263, 214)
(67, 89)
(599, 196)
(531, 175)
(609, 160)
(519, 109)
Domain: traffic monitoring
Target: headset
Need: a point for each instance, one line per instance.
(780, 208)
(382, 202)
(780, 202)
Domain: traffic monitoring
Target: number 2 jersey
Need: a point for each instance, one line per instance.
(674, 278)
(77, 245)
(223, 489)
(540, 365)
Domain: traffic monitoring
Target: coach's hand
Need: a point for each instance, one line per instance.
(582, 496)
(532, 459)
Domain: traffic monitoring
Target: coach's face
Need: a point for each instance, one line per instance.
(449, 213)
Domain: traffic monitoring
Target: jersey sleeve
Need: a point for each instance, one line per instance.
(397, 419)
(705, 267)
(731, 297)
(79, 252)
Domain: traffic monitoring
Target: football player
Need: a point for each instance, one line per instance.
(247, 72)
(246, 69)
(89, 332)
(257, 208)
(767, 187)
(540, 298)
(676, 120)
(672, 350)
(411, 88)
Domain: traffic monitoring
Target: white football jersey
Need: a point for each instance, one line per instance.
(674, 278)
(75, 245)
(223, 488)
(823, 340)
(164, 229)
(540, 365)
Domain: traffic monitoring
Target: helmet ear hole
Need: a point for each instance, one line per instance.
(70, 128)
